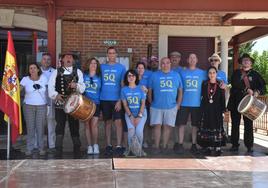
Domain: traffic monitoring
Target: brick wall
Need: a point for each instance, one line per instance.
(85, 31)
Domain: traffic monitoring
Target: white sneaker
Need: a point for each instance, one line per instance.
(90, 150)
(96, 149)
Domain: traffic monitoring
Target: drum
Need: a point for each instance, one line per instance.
(251, 107)
(79, 107)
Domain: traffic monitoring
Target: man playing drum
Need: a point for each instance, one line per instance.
(244, 81)
(64, 81)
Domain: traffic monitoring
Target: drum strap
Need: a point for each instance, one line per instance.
(245, 79)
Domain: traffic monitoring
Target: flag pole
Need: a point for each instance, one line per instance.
(8, 138)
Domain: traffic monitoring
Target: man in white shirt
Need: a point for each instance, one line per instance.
(47, 70)
(64, 81)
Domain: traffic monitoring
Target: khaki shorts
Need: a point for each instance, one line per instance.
(163, 116)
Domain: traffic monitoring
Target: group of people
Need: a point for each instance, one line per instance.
(151, 96)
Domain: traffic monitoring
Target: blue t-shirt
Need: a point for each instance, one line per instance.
(111, 78)
(134, 97)
(93, 87)
(178, 69)
(165, 89)
(222, 76)
(145, 78)
(192, 85)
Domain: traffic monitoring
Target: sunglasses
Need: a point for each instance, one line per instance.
(91, 81)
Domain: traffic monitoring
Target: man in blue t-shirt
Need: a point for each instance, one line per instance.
(192, 79)
(175, 58)
(165, 94)
(112, 79)
(215, 61)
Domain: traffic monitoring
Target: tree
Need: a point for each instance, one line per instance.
(246, 48)
(261, 65)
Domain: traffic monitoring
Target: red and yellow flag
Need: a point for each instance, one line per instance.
(10, 91)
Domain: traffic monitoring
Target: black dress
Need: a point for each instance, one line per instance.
(212, 108)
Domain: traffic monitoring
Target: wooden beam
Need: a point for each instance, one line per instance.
(235, 55)
(250, 22)
(228, 17)
(182, 5)
(249, 35)
(75, 20)
(51, 30)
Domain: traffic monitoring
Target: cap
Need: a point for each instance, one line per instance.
(175, 53)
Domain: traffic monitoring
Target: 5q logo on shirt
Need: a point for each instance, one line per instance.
(109, 77)
(93, 85)
(191, 83)
(166, 83)
(133, 100)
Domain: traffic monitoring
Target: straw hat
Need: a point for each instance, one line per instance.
(214, 56)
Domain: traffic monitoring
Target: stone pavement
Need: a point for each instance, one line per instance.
(163, 170)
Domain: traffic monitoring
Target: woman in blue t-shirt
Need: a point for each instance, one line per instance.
(144, 76)
(93, 85)
(133, 98)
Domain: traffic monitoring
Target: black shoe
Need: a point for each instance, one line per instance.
(58, 153)
(217, 152)
(176, 146)
(108, 151)
(165, 151)
(119, 151)
(193, 148)
(156, 151)
(180, 149)
(52, 150)
(234, 149)
(206, 151)
(250, 150)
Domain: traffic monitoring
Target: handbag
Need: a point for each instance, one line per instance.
(211, 138)
(135, 146)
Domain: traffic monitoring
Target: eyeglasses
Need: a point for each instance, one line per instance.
(214, 60)
(36, 86)
(130, 75)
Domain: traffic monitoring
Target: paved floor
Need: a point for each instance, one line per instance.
(163, 170)
(226, 171)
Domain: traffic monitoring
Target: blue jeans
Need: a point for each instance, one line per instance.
(139, 128)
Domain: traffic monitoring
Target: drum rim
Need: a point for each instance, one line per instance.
(91, 114)
(247, 106)
(261, 114)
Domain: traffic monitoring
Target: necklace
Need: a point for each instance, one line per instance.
(211, 91)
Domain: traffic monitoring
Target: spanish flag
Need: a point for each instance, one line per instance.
(10, 91)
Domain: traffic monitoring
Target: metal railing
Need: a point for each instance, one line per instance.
(262, 122)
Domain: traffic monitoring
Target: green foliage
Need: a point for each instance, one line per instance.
(246, 48)
(261, 65)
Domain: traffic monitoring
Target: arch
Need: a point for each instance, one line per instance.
(11, 19)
